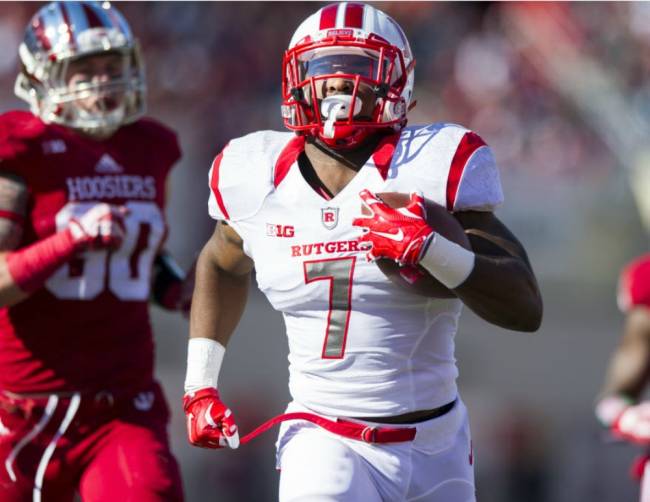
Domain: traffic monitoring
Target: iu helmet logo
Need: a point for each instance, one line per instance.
(329, 217)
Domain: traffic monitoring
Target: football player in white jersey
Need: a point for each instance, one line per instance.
(372, 367)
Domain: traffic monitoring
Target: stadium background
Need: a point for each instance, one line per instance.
(560, 91)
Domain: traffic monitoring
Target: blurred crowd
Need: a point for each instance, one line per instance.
(215, 68)
(214, 74)
(499, 68)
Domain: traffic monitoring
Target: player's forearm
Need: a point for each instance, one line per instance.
(25, 270)
(626, 376)
(503, 291)
(629, 367)
(217, 305)
(10, 293)
(624, 383)
(218, 301)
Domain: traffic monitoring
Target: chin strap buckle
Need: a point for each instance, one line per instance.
(297, 94)
(369, 434)
(381, 90)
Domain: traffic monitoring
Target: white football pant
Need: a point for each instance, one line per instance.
(319, 466)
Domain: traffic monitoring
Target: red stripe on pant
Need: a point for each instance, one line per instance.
(120, 453)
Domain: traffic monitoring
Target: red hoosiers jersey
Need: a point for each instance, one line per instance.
(88, 328)
(634, 284)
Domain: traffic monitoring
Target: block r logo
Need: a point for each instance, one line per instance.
(329, 217)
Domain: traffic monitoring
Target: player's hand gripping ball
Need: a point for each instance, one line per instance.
(397, 228)
(210, 423)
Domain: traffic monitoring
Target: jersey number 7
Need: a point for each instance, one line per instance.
(339, 272)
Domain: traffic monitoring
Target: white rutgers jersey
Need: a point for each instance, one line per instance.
(358, 344)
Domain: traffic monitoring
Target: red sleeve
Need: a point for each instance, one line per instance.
(634, 284)
(18, 130)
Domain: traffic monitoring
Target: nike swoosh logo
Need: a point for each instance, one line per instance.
(208, 417)
(394, 237)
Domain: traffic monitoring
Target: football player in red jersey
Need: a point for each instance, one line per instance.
(370, 363)
(82, 198)
(620, 407)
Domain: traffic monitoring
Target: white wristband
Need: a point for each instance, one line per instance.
(204, 358)
(447, 261)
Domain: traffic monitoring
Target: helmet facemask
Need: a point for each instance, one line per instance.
(97, 108)
(343, 91)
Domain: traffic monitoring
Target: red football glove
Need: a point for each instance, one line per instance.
(633, 424)
(102, 226)
(398, 234)
(210, 423)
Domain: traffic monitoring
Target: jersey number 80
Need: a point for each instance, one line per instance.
(126, 271)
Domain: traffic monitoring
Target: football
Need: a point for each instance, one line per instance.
(415, 279)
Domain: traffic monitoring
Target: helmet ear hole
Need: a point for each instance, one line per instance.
(381, 90)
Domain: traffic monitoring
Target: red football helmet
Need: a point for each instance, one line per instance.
(348, 72)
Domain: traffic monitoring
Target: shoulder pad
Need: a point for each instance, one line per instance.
(17, 129)
(473, 182)
(242, 175)
(634, 284)
(453, 166)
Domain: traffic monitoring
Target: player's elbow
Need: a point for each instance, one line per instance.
(527, 306)
(519, 311)
(10, 292)
(529, 325)
(530, 315)
(521, 323)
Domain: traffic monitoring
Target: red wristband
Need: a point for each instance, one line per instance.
(30, 267)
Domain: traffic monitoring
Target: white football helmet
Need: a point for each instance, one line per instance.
(61, 32)
(366, 48)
